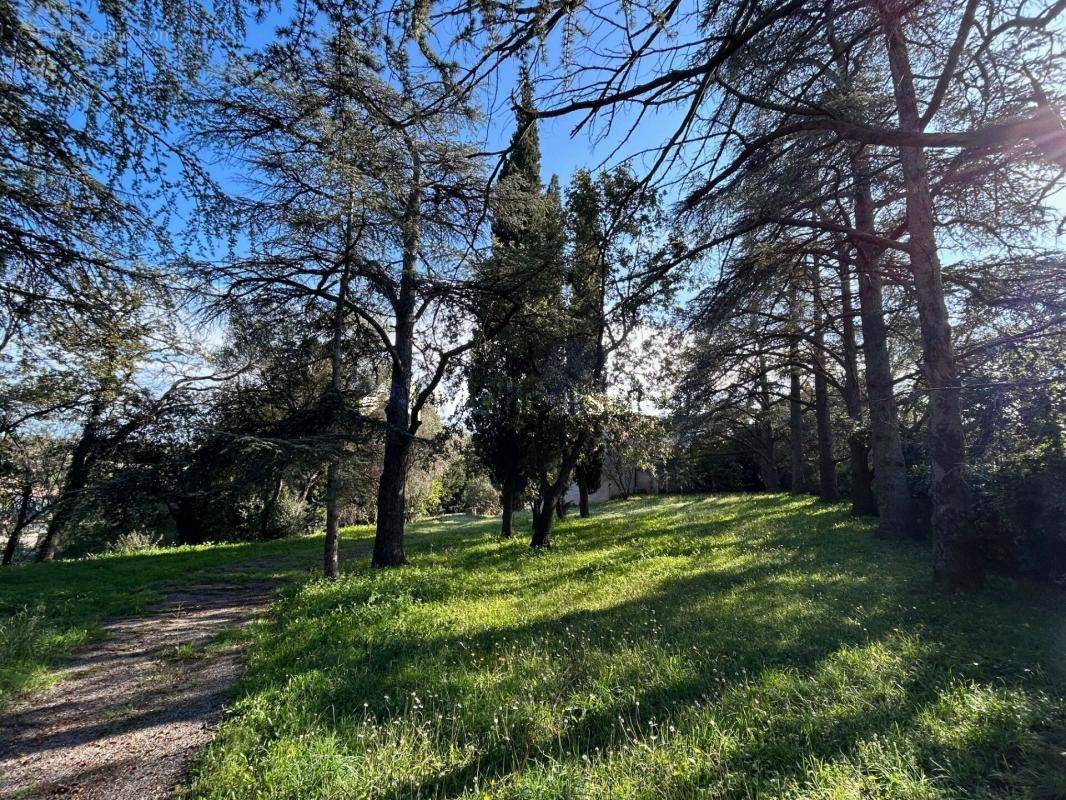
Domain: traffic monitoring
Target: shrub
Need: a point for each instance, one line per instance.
(423, 494)
(292, 516)
(480, 496)
(134, 542)
(1021, 516)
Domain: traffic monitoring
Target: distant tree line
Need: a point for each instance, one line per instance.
(848, 226)
(361, 275)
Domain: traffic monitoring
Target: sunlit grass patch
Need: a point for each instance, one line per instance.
(46, 610)
(728, 647)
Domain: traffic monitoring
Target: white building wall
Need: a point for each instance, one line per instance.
(643, 483)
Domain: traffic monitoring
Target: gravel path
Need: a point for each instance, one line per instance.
(129, 714)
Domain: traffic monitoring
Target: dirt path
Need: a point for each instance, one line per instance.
(131, 711)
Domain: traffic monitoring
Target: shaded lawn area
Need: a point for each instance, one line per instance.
(752, 646)
(46, 610)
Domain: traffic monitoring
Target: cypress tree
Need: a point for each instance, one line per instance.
(502, 371)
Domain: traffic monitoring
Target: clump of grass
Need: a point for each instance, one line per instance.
(134, 542)
(22, 641)
(226, 640)
(728, 647)
(183, 652)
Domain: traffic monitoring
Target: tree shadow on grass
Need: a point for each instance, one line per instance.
(798, 603)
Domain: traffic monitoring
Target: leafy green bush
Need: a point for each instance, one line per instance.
(423, 494)
(292, 516)
(1021, 514)
(480, 496)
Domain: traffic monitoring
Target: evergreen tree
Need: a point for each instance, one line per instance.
(502, 376)
(587, 278)
(381, 238)
(605, 216)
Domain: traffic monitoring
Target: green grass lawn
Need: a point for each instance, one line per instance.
(723, 647)
(757, 646)
(46, 610)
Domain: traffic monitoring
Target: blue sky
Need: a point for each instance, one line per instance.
(562, 151)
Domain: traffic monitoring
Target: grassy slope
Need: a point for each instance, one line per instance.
(48, 609)
(758, 646)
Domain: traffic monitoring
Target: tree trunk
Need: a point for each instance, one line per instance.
(331, 558)
(308, 486)
(889, 468)
(187, 521)
(795, 408)
(771, 479)
(827, 470)
(543, 519)
(392, 497)
(507, 514)
(62, 514)
(956, 560)
(550, 494)
(11, 546)
(269, 504)
(583, 498)
(795, 432)
(25, 497)
(74, 483)
(400, 428)
(560, 507)
(862, 495)
(392, 488)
